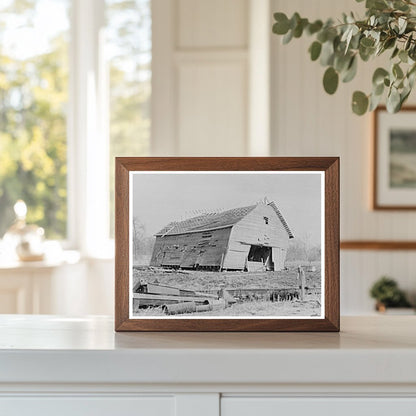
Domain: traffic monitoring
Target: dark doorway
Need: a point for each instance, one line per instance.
(261, 254)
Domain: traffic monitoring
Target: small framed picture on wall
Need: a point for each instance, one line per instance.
(394, 179)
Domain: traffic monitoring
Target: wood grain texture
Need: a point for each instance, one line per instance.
(329, 165)
(376, 204)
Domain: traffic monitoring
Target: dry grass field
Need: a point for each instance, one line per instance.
(211, 281)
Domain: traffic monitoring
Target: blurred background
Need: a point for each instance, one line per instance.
(83, 81)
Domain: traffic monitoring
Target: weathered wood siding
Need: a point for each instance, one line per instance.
(279, 257)
(253, 230)
(205, 248)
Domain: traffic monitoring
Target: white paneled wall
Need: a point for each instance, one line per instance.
(203, 67)
(305, 121)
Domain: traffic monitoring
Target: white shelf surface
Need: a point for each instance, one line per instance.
(53, 349)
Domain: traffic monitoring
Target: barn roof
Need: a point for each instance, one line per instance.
(281, 217)
(206, 221)
(214, 220)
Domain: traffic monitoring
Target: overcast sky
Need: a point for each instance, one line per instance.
(164, 197)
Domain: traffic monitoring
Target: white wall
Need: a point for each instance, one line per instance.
(201, 83)
(308, 122)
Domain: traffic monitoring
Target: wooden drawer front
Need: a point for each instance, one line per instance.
(270, 406)
(87, 406)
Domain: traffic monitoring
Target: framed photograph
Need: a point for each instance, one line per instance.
(227, 244)
(395, 159)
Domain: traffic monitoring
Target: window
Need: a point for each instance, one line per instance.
(129, 45)
(74, 93)
(33, 103)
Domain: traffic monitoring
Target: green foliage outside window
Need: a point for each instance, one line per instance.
(34, 104)
(33, 99)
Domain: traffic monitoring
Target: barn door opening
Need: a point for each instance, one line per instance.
(259, 258)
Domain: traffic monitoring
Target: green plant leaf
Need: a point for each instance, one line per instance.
(330, 80)
(376, 4)
(378, 89)
(408, 42)
(404, 95)
(393, 101)
(351, 71)
(298, 30)
(359, 103)
(314, 27)
(403, 56)
(327, 53)
(367, 42)
(315, 50)
(397, 71)
(379, 75)
(281, 27)
(395, 52)
(341, 61)
(374, 102)
(288, 37)
(389, 43)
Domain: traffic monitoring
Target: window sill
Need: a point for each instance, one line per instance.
(63, 258)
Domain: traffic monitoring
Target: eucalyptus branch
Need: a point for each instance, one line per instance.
(389, 25)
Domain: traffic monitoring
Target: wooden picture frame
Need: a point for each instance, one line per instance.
(394, 185)
(131, 186)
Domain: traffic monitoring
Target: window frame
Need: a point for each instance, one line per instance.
(88, 133)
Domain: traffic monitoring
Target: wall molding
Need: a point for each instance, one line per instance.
(377, 245)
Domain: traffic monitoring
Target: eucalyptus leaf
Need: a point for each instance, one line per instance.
(281, 27)
(379, 75)
(367, 42)
(327, 54)
(330, 80)
(397, 71)
(298, 30)
(393, 101)
(288, 37)
(341, 62)
(389, 43)
(374, 102)
(359, 103)
(403, 56)
(315, 50)
(376, 4)
(366, 53)
(402, 22)
(395, 52)
(351, 71)
(404, 96)
(408, 42)
(314, 27)
(378, 89)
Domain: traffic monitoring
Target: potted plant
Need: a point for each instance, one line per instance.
(387, 294)
(389, 27)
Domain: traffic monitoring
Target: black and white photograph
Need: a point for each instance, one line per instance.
(226, 244)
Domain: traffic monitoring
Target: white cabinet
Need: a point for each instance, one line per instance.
(88, 406)
(272, 406)
(79, 366)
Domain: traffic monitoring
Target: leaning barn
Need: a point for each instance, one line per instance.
(248, 238)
